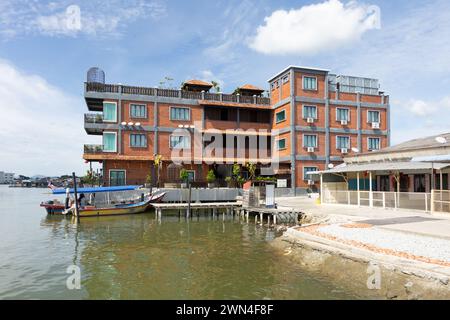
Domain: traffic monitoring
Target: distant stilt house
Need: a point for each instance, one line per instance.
(410, 175)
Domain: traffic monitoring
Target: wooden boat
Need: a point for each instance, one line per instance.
(114, 201)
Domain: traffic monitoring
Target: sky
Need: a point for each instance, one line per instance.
(46, 48)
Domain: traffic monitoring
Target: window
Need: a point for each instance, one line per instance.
(281, 144)
(109, 112)
(308, 169)
(309, 112)
(138, 140)
(373, 143)
(285, 79)
(117, 178)
(138, 111)
(342, 142)
(182, 114)
(309, 83)
(342, 114)
(180, 142)
(109, 142)
(373, 116)
(310, 140)
(280, 116)
(191, 175)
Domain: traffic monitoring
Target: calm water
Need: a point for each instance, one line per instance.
(135, 257)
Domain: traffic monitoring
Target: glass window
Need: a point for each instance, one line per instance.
(281, 144)
(138, 140)
(280, 116)
(138, 111)
(179, 114)
(310, 140)
(180, 142)
(117, 178)
(374, 143)
(342, 114)
(109, 142)
(310, 83)
(308, 169)
(373, 116)
(310, 112)
(109, 112)
(342, 142)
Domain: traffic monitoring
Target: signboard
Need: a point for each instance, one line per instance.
(281, 183)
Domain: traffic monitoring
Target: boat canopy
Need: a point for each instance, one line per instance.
(96, 189)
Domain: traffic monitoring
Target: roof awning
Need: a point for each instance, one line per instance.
(384, 166)
(434, 158)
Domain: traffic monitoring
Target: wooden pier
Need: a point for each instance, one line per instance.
(272, 216)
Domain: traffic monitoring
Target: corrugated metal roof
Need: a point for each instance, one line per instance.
(384, 166)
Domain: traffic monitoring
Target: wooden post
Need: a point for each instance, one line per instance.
(75, 193)
(189, 200)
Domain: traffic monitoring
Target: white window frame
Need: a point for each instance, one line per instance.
(110, 102)
(117, 170)
(303, 83)
(309, 105)
(349, 142)
(139, 134)
(179, 135)
(139, 104)
(276, 113)
(170, 113)
(343, 108)
(379, 143)
(379, 115)
(285, 78)
(308, 134)
(103, 142)
(303, 171)
(278, 146)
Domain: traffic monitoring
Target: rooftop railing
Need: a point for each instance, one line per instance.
(173, 93)
(93, 118)
(93, 148)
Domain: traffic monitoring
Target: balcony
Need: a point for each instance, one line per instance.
(93, 148)
(93, 123)
(171, 93)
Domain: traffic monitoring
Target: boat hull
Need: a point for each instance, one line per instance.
(119, 210)
(53, 209)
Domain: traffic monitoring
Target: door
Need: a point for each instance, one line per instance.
(117, 178)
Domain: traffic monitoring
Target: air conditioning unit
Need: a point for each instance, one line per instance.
(375, 125)
(310, 182)
(310, 149)
(310, 120)
(344, 150)
(344, 122)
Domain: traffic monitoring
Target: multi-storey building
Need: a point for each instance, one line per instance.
(310, 119)
(6, 177)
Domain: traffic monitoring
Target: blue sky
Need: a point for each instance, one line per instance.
(43, 62)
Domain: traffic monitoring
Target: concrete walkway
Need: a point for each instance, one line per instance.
(417, 222)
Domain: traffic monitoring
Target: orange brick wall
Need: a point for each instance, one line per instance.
(319, 122)
(319, 93)
(145, 122)
(286, 123)
(299, 170)
(337, 152)
(352, 124)
(319, 151)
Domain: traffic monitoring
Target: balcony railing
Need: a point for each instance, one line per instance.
(93, 118)
(171, 93)
(93, 148)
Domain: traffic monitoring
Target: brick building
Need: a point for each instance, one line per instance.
(310, 119)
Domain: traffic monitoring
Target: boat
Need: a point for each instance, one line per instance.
(106, 201)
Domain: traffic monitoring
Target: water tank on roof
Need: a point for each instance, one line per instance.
(96, 75)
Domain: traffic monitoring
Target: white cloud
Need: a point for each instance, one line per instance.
(314, 28)
(422, 108)
(59, 18)
(42, 127)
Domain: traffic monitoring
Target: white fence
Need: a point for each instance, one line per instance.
(440, 201)
(378, 199)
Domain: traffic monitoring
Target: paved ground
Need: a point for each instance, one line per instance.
(436, 225)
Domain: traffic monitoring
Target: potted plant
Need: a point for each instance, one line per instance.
(184, 176)
(229, 181)
(211, 178)
(148, 180)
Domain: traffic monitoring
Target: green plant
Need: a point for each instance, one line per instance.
(211, 177)
(228, 180)
(216, 86)
(184, 175)
(251, 167)
(148, 179)
(157, 162)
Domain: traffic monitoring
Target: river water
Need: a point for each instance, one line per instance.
(135, 257)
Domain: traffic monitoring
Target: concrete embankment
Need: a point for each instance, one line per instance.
(371, 274)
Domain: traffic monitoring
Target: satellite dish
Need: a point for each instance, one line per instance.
(130, 123)
(124, 123)
(186, 126)
(180, 126)
(441, 140)
(355, 150)
(330, 166)
(192, 126)
(138, 124)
